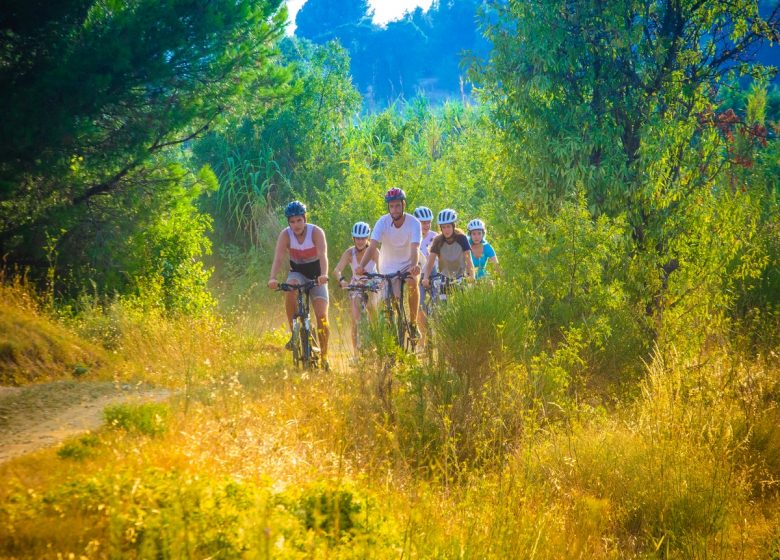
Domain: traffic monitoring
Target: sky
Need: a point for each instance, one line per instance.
(384, 10)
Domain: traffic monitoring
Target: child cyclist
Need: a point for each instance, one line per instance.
(351, 257)
(481, 251)
(450, 250)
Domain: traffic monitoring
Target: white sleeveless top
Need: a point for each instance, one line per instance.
(303, 256)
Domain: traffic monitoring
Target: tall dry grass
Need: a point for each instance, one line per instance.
(259, 460)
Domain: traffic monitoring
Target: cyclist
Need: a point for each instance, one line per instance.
(481, 251)
(450, 249)
(351, 257)
(305, 245)
(399, 235)
(425, 215)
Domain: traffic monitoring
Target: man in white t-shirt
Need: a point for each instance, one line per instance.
(400, 235)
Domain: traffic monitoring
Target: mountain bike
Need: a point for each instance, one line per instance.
(363, 291)
(394, 311)
(305, 346)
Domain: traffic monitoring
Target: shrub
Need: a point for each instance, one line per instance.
(82, 448)
(147, 418)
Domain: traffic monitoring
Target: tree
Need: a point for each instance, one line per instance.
(618, 100)
(95, 92)
(292, 151)
(323, 20)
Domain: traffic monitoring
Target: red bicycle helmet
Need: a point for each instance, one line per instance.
(395, 194)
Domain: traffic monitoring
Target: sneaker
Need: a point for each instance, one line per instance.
(414, 332)
(325, 365)
(288, 346)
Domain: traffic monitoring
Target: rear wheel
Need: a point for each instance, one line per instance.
(362, 327)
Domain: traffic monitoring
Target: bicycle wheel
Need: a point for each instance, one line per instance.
(297, 345)
(400, 324)
(362, 326)
(411, 337)
(307, 346)
(390, 314)
(314, 348)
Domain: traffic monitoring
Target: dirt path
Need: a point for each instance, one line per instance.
(42, 415)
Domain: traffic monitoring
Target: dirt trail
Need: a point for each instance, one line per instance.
(43, 415)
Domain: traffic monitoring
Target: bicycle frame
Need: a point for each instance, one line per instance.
(394, 307)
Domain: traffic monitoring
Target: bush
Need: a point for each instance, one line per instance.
(150, 419)
(481, 326)
(667, 468)
(79, 449)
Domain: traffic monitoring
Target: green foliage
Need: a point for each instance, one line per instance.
(332, 512)
(441, 157)
(590, 99)
(483, 326)
(121, 83)
(149, 419)
(292, 151)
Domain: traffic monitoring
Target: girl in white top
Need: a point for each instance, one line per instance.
(351, 257)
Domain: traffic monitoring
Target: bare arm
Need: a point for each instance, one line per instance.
(282, 245)
(415, 254)
(373, 247)
(342, 264)
(494, 260)
(318, 237)
(429, 265)
(469, 264)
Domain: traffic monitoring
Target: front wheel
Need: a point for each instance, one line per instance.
(310, 347)
(297, 343)
(400, 325)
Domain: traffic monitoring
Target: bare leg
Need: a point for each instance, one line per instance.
(290, 304)
(323, 329)
(355, 320)
(422, 320)
(414, 298)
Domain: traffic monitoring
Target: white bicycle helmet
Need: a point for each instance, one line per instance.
(447, 216)
(361, 230)
(423, 213)
(475, 224)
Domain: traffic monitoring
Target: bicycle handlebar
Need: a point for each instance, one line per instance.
(398, 274)
(305, 287)
(362, 287)
(448, 279)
